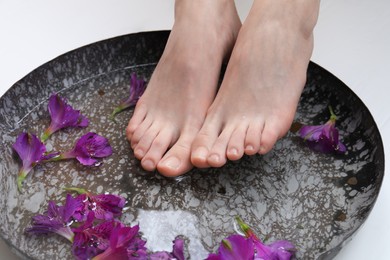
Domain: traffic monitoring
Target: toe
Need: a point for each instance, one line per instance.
(217, 154)
(235, 147)
(177, 160)
(146, 141)
(201, 147)
(157, 149)
(253, 137)
(269, 136)
(137, 118)
(139, 132)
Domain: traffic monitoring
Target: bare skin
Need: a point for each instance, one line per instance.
(179, 123)
(173, 108)
(261, 88)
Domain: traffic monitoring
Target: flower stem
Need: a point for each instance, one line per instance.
(78, 190)
(245, 228)
(46, 134)
(56, 158)
(21, 177)
(333, 116)
(116, 111)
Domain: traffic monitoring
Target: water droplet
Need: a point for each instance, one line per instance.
(92, 206)
(97, 164)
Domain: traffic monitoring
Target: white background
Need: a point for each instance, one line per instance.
(352, 40)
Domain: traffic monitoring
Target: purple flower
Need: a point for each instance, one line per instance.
(57, 219)
(62, 116)
(178, 249)
(278, 250)
(88, 149)
(249, 246)
(125, 243)
(234, 247)
(323, 138)
(104, 206)
(90, 240)
(31, 151)
(177, 252)
(137, 88)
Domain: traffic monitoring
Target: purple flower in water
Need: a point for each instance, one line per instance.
(234, 247)
(62, 116)
(90, 240)
(137, 88)
(177, 252)
(125, 243)
(31, 151)
(104, 206)
(323, 138)
(89, 149)
(278, 250)
(57, 219)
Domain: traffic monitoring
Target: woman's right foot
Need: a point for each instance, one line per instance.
(258, 97)
(172, 110)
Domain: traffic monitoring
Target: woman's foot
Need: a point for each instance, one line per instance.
(257, 100)
(172, 110)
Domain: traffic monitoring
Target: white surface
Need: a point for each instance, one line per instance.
(351, 41)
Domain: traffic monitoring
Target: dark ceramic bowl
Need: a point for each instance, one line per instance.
(317, 201)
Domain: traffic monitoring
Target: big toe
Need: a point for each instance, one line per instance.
(177, 160)
(273, 130)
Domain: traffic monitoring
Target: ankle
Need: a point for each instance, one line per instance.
(296, 16)
(215, 20)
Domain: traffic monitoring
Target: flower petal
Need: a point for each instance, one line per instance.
(137, 88)
(62, 115)
(31, 151)
(323, 138)
(51, 222)
(29, 148)
(178, 249)
(311, 133)
(281, 250)
(235, 247)
(88, 149)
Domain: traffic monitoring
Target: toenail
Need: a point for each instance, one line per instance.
(201, 153)
(148, 165)
(233, 151)
(214, 158)
(173, 163)
(249, 148)
(139, 152)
